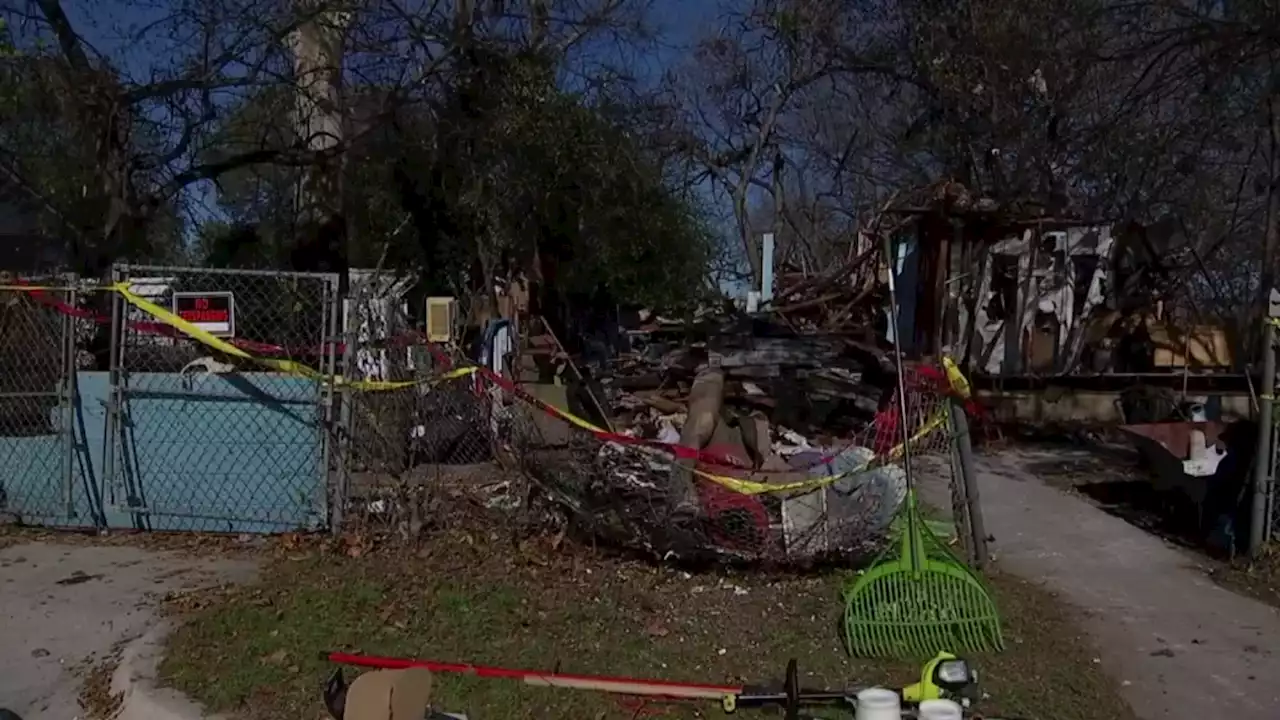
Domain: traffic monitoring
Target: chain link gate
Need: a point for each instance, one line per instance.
(198, 443)
(43, 476)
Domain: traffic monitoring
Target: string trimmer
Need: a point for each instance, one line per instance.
(944, 677)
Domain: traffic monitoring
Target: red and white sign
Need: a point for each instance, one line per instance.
(213, 312)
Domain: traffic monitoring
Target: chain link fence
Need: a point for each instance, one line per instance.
(40, 480)
(412, 447)
(271, 404)
(111, 416)
(462, 433)
(203, 438)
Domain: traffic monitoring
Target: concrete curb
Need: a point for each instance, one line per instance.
(136, 681)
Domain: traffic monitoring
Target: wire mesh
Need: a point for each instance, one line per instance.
(39, 478)
(205, 440)
(828, 505)
(405, 449)
(212, 441)
(479, 436)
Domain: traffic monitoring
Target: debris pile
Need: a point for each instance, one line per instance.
(809, 414)
(844, 300)
(772, 435)
(783, 390)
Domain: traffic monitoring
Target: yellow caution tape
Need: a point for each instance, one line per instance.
(958, 382)
(288, 367)
(195, 332)
(746, 487)
(751, 487)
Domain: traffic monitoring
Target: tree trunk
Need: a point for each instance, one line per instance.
(317, 56)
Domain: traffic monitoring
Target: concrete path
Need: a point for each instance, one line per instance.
(63, 605)
(1183, 647)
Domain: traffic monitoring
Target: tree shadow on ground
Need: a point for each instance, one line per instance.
(1169, 516)
(1116, 479)
(1113, 478)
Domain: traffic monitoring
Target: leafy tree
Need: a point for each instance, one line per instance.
(504, 171)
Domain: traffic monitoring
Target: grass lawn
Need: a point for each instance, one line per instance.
(468, 598)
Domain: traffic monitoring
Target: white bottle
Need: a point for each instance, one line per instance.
(940, 710)
(878, 704)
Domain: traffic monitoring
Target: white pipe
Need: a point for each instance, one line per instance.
(766, 269)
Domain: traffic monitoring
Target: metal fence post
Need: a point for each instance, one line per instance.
(969, 481)
(346, 311)
(333, 334)
(114, 393)
(959, 500)
(67, 397)
(1262, 457)
(1269, 530)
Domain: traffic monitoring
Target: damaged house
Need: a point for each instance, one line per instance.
(1007, 300)
(1025, 301)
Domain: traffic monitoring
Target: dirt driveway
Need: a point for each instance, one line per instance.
(67, 605)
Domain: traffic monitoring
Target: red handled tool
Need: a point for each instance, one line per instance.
(945, 674)
(543, 678)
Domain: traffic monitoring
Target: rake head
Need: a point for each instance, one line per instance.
(922, 602)
(899, 612)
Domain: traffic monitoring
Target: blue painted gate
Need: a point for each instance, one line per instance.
(218, 453)
(139, 447)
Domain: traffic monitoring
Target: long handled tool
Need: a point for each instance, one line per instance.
(542, 678)
(944, 675)
(924, 600)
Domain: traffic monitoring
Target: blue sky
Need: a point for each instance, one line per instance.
(100, 23)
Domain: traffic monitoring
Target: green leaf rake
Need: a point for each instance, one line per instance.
(921, 602)
(924, 600)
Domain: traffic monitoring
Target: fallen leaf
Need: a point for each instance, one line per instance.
(656, 628)
(276, 658)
